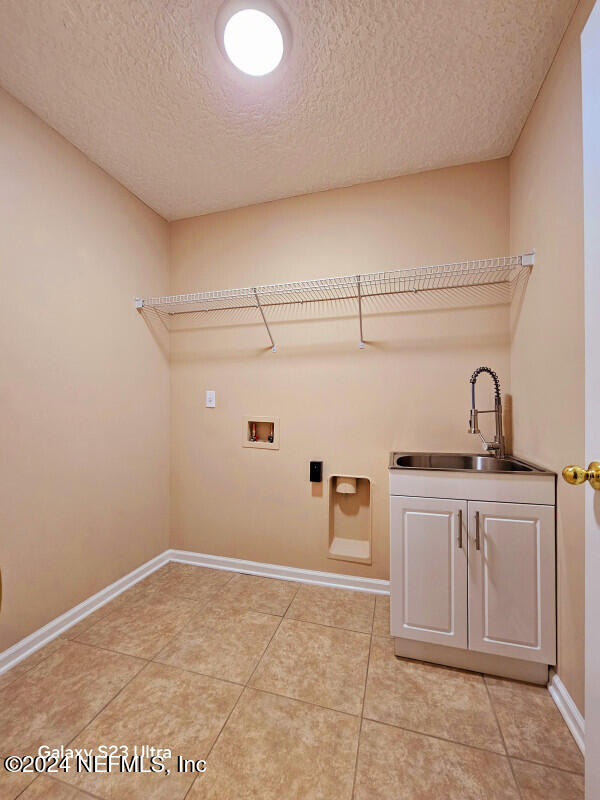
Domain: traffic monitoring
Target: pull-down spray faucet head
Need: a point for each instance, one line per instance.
(474, 421)
(497, 446)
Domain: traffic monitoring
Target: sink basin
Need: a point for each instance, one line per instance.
(461, 462)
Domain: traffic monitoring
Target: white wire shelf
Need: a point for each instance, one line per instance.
(483, 272)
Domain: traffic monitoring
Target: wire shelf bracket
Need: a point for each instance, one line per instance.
(361, 344)
(482, 272)
(264, 319)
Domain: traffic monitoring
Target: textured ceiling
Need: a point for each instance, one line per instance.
(369, 90)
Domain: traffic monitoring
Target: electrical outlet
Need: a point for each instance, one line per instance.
(211, 399)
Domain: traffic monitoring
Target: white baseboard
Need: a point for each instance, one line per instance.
(21, 650)
(358, 584)
(571, 714)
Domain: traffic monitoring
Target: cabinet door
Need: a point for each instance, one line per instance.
(511, 580)
(428, 570)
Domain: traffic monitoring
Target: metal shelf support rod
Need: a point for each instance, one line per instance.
(262, 313)
(361, 343)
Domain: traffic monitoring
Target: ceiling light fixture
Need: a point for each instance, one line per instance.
(253, 38)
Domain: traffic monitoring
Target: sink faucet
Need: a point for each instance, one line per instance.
(497, 447)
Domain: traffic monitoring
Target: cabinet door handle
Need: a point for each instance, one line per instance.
(460, 528)
(477, 537)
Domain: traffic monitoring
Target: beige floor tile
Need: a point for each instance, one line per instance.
(166, 584)
(274, 748)
(143, 628)
(340, 608)
(268, 595)
(23, 667)
(45, 788)
(532, 726)
(186, 580)
(537, 782)
(86, 623)
(176, 580)
(222, 643)
(13, 783)
(429, 699)
(155, 582)
(326, 666)
(56, 699)
(395, 764)
(381, 621)
(163, 707)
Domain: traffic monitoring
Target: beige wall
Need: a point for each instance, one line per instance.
(547, 356)
(409, 389)
(84, 386)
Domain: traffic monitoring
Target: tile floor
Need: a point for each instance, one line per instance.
(287, 690)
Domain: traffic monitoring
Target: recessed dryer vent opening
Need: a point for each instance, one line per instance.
(350, 518)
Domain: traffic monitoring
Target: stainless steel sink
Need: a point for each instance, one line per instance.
(462, 462)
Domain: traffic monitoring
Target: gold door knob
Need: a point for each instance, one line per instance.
(576, 475)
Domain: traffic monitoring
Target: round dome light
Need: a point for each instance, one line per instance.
(253, 42)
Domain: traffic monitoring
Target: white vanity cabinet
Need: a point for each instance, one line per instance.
(428, 552)
(512, 580)
(473, 573)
